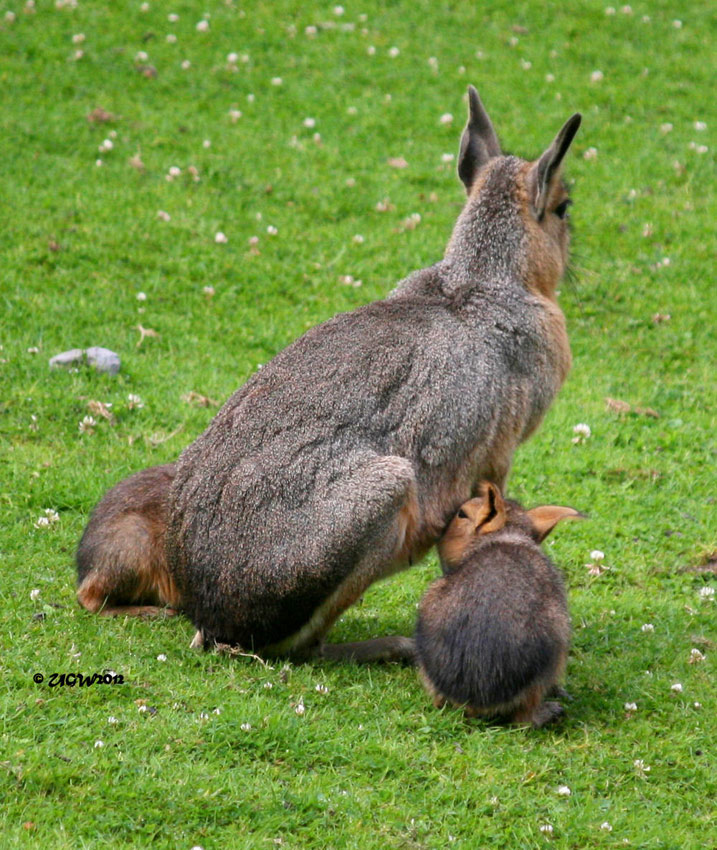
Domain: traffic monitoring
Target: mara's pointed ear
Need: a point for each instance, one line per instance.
(546, 517)
(478, 143)
(547, 168)
(492, 514)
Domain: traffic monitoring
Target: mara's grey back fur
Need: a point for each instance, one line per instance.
(343, 459)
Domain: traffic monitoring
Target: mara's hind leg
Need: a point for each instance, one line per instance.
(534, 711)
(385, 487)
(121, 559)
(128, 575)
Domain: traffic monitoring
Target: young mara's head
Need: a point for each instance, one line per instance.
(489, 513)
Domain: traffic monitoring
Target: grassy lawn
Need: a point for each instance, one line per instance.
(286, 148)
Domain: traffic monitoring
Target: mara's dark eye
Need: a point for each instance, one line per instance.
(462, 514)
(562, 209)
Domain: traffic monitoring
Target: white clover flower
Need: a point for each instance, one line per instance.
(447, 157)
(142, 709)
(141, 296)
(106, 146)
(208, 291)
(666, 127)
(161, 657)
(234, 115)
(232, 58)
(271, 230)
(525, 64)
(186, 65)
(276, 81)
(99, 744)
(707, 593)
(590, 153)
(596, 76)
(446, 118)
(630, 706)
(87, 426)
(606, 826)
(582, 432)
(300, 707)
(546, 828)
(112, 720)
(371, 50)
(78, 38)
(9, 17)
(144, 7)
(253, 241)
(597, 555)
(311, 31)
(35, 593)
(677, 24)
(550, 78)
(697, 705)
(172, 17)
(358, 239)
(220, 238)
(202, 26)
(647, 627)
(33, 350)
(163, 216)
(641, 767)
(310, 123)
(322, 689)
(433, 62)
(696, 656)
(338, 11)
(700, 126)
(393, 52)
(564, 791)
(268, 685)
(676, 688)
(141, 56)
(626, 10)
(216, 711)
(171, 38)
(610, 10)
(245, 727)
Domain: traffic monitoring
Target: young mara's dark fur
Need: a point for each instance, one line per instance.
(493, 633)
(342, 460)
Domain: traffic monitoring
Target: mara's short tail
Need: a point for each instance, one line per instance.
(121, 558)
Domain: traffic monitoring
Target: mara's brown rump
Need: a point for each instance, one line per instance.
(121, 558)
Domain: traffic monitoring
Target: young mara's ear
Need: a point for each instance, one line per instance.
(547, 169)
(546, 517)
(492, 513)
(478, 143)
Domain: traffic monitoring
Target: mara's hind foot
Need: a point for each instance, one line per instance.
(545, 713)
(392, 648)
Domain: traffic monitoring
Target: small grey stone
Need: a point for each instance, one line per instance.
(103, 359)
(67, 358)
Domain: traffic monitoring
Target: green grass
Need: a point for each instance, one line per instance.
(370, 764)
